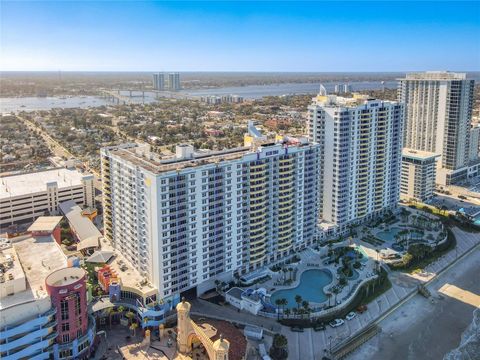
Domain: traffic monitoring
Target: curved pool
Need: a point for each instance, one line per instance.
(310, 288)
(389, 235)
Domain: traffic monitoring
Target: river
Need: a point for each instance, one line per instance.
(8, 105)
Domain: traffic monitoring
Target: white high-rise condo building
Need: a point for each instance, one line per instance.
(159, 81)
(189, 219)
(438, 116)
(360, 155)
(174, 81)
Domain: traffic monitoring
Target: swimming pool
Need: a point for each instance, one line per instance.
(310, 288)
(389, 235)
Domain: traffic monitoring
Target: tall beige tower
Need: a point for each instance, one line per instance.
(183, 326)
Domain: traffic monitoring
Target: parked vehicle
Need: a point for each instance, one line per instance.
(336, 323)
(296, 329)
(350, 315)
(319, 327)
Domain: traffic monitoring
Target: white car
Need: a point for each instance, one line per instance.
(335, 323)
(350, 315)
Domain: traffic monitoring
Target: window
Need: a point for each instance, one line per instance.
(64, 309)
(65, 338)
(65, 327)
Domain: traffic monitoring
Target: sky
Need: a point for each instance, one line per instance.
(239, 36)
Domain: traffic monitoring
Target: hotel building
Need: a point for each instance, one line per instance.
(24, 197)
(418, 175)
(360, 154)
(438, 116)
(183, 222)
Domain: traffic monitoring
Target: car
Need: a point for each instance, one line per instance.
(319, 327)
(296, 329)
(335, 323)
(350, 315)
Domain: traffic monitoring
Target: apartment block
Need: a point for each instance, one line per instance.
(360, 155)
(159, 81)
(418, 175)
(174, 81)
(26, 196)
(189, 219)
(438, 117)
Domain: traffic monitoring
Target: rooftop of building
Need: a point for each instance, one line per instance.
(65, 276)
(435, 75)
(335, 101)
(186, 156)
(418, 154)
(45, 223)
(37, 257)
(34, 182)
(86, 231)
(129, 276)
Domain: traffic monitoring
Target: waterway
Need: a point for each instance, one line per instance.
(8, 105)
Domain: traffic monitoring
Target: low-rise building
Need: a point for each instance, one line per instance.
(418, 175)
(249, 300)
(26, 196)
(43, 313)
(82, 227)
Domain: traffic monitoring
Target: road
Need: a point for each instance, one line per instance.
(422, 330)
(58, 149)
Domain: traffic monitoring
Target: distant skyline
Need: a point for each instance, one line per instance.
(239, 36)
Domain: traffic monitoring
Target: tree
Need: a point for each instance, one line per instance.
(133, 327)
(111, 312)
(298, 300)
(278, 302)
(329, 295)
(283, 303)
(130, 315)
(279, 351)
(306, 306)
(287, 312)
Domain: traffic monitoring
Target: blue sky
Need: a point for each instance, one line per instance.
(240, 36)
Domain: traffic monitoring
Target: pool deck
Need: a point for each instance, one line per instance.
(311, 260)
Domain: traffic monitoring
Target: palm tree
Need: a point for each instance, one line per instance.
(133, 327)
(121, 309)
(130, 315)
(335, 291)
(298, 300)
(329, 295)
(306, 306)
(278, 302)
(111, 312)
(284, 303)
(287, 312)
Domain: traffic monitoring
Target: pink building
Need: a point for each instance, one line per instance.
(68, 293)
